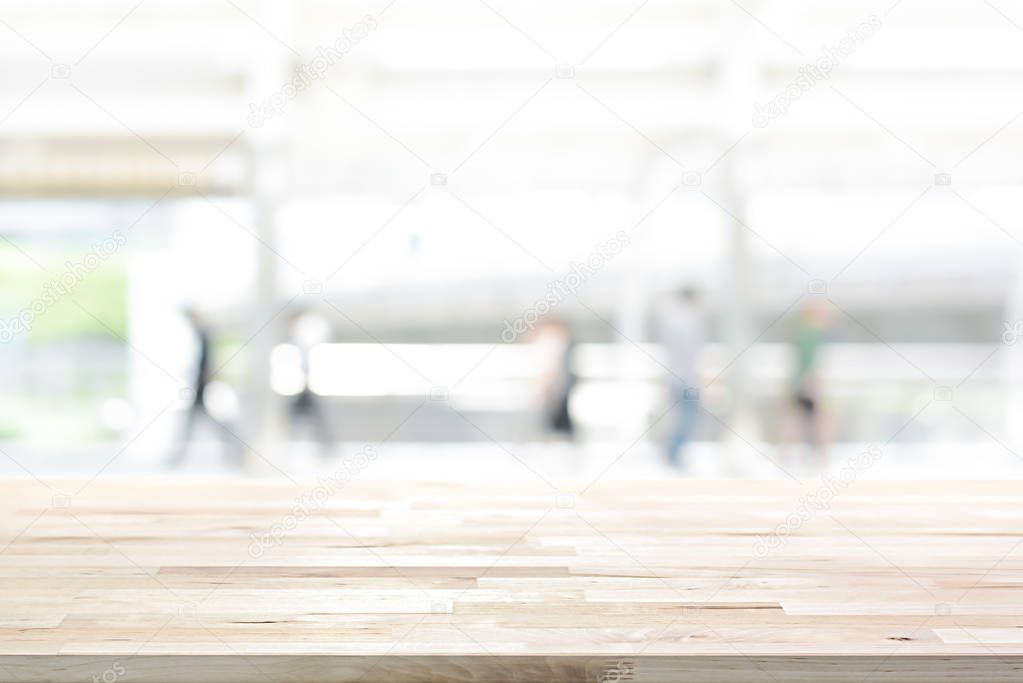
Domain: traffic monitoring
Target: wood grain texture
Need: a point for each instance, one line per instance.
(429, 581)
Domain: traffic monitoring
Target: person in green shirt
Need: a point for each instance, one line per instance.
(808, 339)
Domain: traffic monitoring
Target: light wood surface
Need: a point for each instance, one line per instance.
(426, 581)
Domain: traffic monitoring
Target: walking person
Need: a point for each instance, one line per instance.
(805, 387)
(307, 330)
(202, 376)
(682, 336)
(558, 380)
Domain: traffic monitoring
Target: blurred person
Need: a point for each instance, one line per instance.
(682, 333)
(558, 379)
(1012, 377)
(805, 390)
(308, 329)
(204, 339)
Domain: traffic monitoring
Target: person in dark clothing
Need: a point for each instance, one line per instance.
(202, 379)
(560, 379)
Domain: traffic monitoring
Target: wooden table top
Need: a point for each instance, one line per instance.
(226, 580)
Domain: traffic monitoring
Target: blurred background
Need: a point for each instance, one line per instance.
(495, 239)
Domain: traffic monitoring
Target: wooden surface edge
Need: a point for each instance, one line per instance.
(434, 668)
